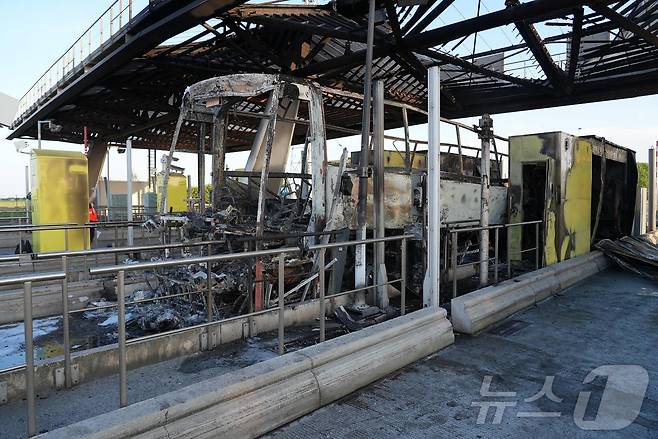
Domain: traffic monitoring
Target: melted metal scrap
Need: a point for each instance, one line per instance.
(638, 254)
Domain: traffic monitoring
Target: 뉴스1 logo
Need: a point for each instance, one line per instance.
(620, 404)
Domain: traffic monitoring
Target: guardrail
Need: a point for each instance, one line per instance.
(98, 35)
(29, 342)
(454, 251)
(120, 213)
(30, 228)
(120, 271)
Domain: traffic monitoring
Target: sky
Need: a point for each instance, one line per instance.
(34, 34)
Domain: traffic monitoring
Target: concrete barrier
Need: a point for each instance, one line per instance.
(476, 311)
(264, 396)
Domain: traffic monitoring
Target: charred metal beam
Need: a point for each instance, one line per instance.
(305, 27)
(536, 10)
(431, 16)
(624, 22)
(418, 14)
(474, 68)
(554, 74)
(253, 43)
(161, 120)
(409, 59)
(574, 51)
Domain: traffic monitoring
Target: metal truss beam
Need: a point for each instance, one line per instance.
(624, 22)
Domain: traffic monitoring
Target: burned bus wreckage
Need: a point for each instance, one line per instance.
(265, 206)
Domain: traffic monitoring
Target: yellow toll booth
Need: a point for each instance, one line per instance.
(176, 192)
(60, 195)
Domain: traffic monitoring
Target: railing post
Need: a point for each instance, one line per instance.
(536, 246)
(250, 298)
(282, 260)
(65, 324)
(496, 255)
(111, 20)
(20, 236)
(116, 244)
(453, 262)
(29, 359)
(66, 239)
(403, 276)
(322, 304)
(130, 10)
(209, 299)
(509, 253)
(85, 265)
(123, 372)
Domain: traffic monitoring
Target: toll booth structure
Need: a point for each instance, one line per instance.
(60, 195)
(583, 188)
(176, 191)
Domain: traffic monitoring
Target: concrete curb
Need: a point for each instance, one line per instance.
(264, 396)
(476, 311)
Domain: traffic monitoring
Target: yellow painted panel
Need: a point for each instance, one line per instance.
(176, 192)
(577, 202)
(395, 159)
(60, 195)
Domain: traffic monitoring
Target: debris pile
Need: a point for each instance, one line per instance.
(355, 317)
(638, 254)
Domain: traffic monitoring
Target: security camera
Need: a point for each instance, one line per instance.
(21, 145)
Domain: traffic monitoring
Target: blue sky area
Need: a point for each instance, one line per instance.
(34, 34)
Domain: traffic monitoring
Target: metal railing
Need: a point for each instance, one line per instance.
(29, 341)
(31, 228)
(120, 213)
(98, 35)
(454, 251)
(120, 271)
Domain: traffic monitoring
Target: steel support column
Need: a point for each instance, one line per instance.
(129, 188)
(652, 190)
(381, 297)
(431, 283)
(218, 156)
(364, 160)
(485, 134)
(201, 165)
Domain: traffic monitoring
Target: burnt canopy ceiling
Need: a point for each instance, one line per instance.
(536, 54)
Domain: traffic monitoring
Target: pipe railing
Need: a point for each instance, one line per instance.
(27, 281)
(120, 271)
(121, 304)
(454, 252)
(99, 35)
(67, 227)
